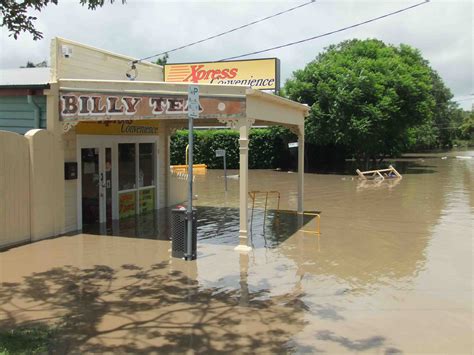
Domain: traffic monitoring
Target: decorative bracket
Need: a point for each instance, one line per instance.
(67, 126)
(172, 130)
(295, 129)
(236, 123)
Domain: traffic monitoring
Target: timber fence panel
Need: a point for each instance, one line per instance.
(46, 184)
(14, 189)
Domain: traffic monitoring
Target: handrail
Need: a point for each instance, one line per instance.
(253, 196)
(317, 214)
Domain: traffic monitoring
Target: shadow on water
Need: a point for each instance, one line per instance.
(215, 225)
(158, 308)
(150, 309)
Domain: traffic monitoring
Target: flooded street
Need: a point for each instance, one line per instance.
(392, 272)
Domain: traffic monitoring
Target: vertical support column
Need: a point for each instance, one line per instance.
(55, 126)
(301, 169)
(163, 166)
(244, 127)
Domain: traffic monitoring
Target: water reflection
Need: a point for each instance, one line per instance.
(217, 225)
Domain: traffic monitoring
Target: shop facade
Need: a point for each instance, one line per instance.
(112, 136)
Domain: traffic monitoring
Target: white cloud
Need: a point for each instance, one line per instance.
(442, 30)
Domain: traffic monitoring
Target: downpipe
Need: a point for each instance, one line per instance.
(36, 110)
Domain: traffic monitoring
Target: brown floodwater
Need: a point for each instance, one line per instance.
(392, 272)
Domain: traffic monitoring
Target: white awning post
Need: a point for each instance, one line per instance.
(301, 169)
(244, 127)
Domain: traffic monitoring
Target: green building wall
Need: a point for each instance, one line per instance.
(17, 115)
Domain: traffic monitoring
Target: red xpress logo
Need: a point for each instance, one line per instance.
(198, 73)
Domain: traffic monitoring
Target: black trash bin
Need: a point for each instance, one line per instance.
(179, 233)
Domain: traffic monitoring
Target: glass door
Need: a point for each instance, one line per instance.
(136, 179)
(90, 186)
(146, 177)
(96, 187)
(106, 184)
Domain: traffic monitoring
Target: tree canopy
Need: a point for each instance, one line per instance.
(17, 19)
(162, 60)
(365, 95)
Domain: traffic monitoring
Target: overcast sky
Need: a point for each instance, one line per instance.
(442, 30)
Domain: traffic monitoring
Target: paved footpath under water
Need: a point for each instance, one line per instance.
(392, 272)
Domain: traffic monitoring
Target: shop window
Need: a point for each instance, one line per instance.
(146, 168)
(127, 179)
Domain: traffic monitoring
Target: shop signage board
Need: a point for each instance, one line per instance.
(261, 74)
(81, 106)
(130, 127)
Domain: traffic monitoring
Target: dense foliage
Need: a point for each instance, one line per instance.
(372, 99)
(16, 17)
(268, 148)
(466, 129)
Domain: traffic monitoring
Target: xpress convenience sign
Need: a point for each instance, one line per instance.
(262, 74)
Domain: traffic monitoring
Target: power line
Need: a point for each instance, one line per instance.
(466, 99)
(328, 33)
(227, 32)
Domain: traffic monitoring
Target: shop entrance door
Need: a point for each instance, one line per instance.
(96, 186)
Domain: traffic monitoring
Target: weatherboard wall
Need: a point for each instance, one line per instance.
(17, 115)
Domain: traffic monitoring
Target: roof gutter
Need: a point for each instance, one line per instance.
(26, 86)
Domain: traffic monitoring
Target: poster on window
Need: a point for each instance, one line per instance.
(147, 201)
(126, 204)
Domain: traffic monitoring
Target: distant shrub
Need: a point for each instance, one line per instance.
(268, 148)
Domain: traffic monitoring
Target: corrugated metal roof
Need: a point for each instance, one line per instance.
(24, 77)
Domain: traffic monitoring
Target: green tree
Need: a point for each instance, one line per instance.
(467, 126)
(162, 60)
(30, 64)
(16, 14)
(364, 95)
(439, 130)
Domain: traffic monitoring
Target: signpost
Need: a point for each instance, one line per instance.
(221, 153)
(193, 112)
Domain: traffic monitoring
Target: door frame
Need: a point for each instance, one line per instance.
(110, 141)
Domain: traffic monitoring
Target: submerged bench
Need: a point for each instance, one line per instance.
(390, 173)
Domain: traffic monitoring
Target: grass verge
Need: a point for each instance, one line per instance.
(27, 340)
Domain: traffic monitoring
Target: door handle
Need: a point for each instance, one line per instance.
(102, 182)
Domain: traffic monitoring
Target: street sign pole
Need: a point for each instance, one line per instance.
(222, 153)
(225, 173)
(193, 112)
